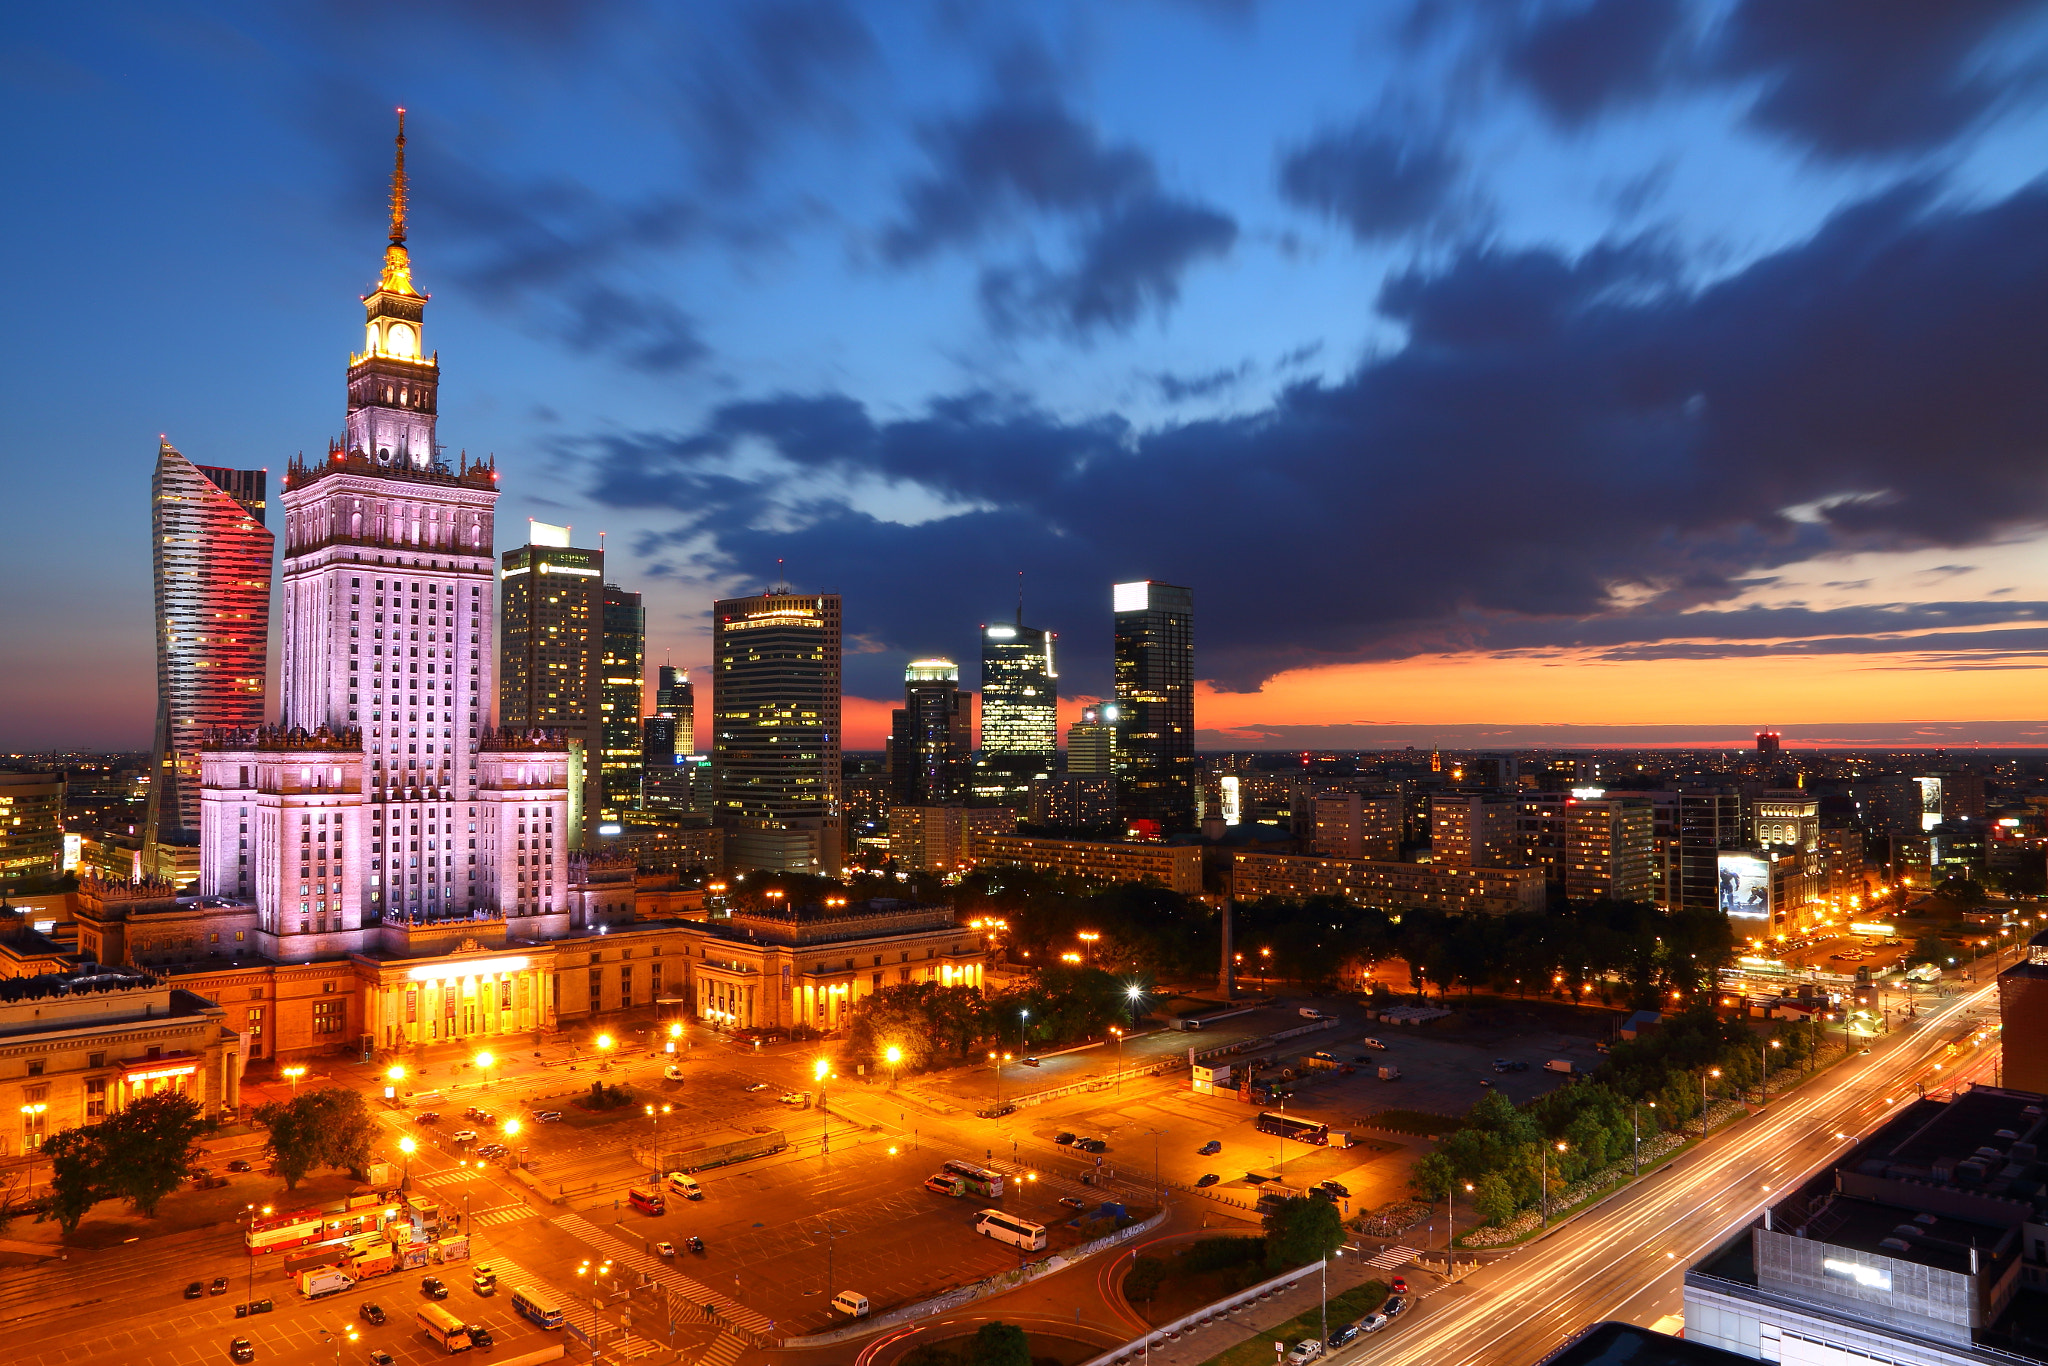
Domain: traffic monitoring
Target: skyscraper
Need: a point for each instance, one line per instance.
(1091, 741)
(930, 736)
(552, 656)
(212, 568)
(675, 696)
(352, 810)
(775, 730)
(1155, 695)
(622, 665)
(1019, 711)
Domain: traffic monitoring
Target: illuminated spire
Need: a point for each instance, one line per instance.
(397, 277)
(398, 186)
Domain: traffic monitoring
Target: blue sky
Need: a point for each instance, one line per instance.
(1632, 362)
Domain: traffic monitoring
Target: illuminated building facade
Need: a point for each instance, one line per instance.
(1091, 741)
(211, 558)
(31, 825)
(1019, 710)
(622, 670)
(775, 737)
(930, 736)
(1609, 842)
(1155, 698)
(552, 654)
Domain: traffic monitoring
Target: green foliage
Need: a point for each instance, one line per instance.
(330, 1126)
(934, 1025)
(77, 1159)
(1001, 1344)
(1065, 1004)
(1493, 1199)
(1142, 1281)
(148, 1147)
(1930, 948)
(1220, 1254)
(1301, 1231)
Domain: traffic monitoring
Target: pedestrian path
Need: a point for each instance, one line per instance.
(724, 1350)
(619, 1343)
(624, 1253)
(1393, 1257)
(503, 1214)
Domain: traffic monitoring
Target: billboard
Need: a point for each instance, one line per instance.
(1745, 885)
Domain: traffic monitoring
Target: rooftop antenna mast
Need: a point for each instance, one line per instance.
(1020, 599)
(398, 187)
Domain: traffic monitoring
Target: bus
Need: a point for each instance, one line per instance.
(1008, 1228)
(282, 1231)
(539, 1305)
(978, 1180)
(647, 1199)
(1300, 1130)
(447, 1331)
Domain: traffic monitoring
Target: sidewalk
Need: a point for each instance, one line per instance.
(1213, 1339)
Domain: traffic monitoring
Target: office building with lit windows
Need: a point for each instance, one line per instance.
(211, 556)
(775, 737)
(1091, 741)
(1019, 711)
(551, 657)
(931, 736)
(622, 670)
(1155, 698)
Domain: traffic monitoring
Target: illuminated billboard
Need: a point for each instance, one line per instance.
(1745, 886)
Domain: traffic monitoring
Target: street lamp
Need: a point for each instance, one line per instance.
(252, 1250)
(1763, 1090)
(1265, 961)
(675, 1031)
(32, 1120)
(1134, 994)
(999, 1059)
(654, 1115)
(1119, 1058)
(392, 1076)
(294, 1073)
(821, 1070)
(604, 1051)
(1023, 1029)
(1714, 1072)
(894, 1056)
(408, 1147)
(1546, 1182)
(484, 1062)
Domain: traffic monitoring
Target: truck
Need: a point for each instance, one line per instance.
(1563, 1065)
(1321, 1061)
(455, 1249)
(324, 1280)
(719, 1154)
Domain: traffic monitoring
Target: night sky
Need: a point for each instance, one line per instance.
(1644, 369)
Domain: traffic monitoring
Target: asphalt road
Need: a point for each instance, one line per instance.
(1625, 1259)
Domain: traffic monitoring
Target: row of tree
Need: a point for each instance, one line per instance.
(330, 1127)
(938, 1026)
(139, 1155)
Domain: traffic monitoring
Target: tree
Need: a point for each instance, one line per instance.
(1929, 948)
(330, 1126)
(148, 1147)
(1001, 1344)
(1143, 1279)
(1301, 1231)
(77, 1161)
(1433, 1177)
(1494, 1199)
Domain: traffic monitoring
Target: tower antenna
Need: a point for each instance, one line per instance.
(1020, 599)
(398, 187)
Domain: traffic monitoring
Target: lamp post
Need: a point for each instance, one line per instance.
(31, 1119)
(1134, 994)
(407, 1146)
(655, 1115)
(675, 1031)
(1763, 1090)
(1265, 961)
(1451, 1233)
(999, 1059)
(252, 1250)
(392, 1076)
(1119, 1058)
(1546, 1182)
(484, 1062)
(1714, 1072)
(293, 1074)
(604, 1052)
(820, 1070)
(894, 1056)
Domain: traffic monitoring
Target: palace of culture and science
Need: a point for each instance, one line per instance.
(382, 867)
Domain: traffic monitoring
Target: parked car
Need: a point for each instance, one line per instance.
(548, 1116)
(1372, 1323)
(1209, 1149)
(792, 1098)
(239, 1165)
(1029, 1062)
(426, 1117)
(1337, 1188)
(1393, 1307)
(1311, 1013)
(196, 1291)
(1309, 1349)
(372, 1314)
(1073, 1202)
(484, 1285)
(758, 1086)
(1397, 1285)
(1091, 1145)
(463, 1136)
(1372, 1043)
(694, 1243)
(218, 1287)
(480, 1116)
(431, 1287)
(479, 1336)
(241, 1349)
(380, 1357)
(1343, 1335)
(1207, 1179)
(664, 1249)
(1063, 1138)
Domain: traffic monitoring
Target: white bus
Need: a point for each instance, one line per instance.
(539, 1305)
(1008, 1228)
(447, 1331)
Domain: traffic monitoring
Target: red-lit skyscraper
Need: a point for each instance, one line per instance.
(212, 566)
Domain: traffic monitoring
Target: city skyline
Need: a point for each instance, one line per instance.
(1312, 298)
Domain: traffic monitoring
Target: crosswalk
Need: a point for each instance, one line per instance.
(692, 1291)
(724, 1350)
(619, 1344)
(1393, 1257)
(503, 1214)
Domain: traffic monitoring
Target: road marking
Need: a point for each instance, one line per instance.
(1394, 1257)
(691, 1290)
(503, 1214)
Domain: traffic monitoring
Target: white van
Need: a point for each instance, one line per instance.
(851, 1303)
(685, 1185)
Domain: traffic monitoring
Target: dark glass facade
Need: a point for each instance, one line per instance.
(1155, 698)
(775, 736)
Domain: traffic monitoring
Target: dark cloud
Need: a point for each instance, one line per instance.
(1180, 388)
(1579, 60)
(1026, 156)
(778, 64)
(1560, 436)
(1855, 78)
(1377, 182)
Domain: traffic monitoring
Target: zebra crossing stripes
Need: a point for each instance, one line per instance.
(692, 1291)
(503, 1214)
(1393, 1257)
(724, 1350)
(619, 1343)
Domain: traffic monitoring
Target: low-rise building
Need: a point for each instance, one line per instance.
(76, 1047)
(935, 839)
(1177, 867)
(1388, 885)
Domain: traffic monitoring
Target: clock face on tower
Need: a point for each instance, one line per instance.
(398, 340)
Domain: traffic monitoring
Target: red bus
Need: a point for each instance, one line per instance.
(281, 1231)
